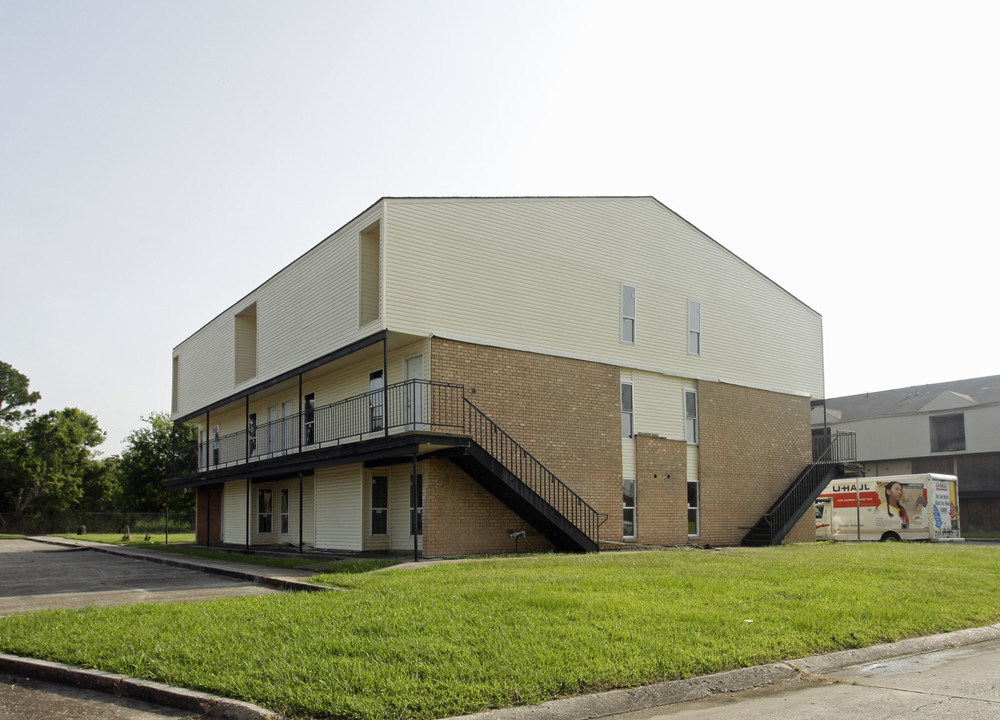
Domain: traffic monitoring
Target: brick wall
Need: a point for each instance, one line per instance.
(661, 490)
(461, 517)
(565, 412)
(753, 444)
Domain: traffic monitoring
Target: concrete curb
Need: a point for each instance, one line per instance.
(586, 707)
(166, 558)
(188, 700)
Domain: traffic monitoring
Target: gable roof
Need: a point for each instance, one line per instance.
(916, 399)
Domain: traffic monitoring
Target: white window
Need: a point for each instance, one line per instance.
(284, 511)
(309, 418)
(252, 434)
(691, 416)
(693, 515)
(628, 314)
(628, 507)
(694, 327)
(380, 505)
(628, 412)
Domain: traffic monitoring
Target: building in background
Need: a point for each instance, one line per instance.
(951, 428)
(454, 375)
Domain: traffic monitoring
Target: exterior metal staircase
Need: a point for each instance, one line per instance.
(516, 478)
(778, 521)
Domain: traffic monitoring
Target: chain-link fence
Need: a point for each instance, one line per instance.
(95, 522)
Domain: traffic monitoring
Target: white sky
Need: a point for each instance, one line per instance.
(159, 159)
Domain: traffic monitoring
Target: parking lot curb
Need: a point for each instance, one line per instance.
(180, 698)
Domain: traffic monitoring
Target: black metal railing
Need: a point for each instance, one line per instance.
(409, 405)
(839, 448)
(523, 465)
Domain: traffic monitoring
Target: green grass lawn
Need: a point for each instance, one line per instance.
(457, 638)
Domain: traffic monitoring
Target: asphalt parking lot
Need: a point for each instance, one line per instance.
(37, 576)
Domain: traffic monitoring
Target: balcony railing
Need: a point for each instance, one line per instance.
(838, 447)
(410, 405)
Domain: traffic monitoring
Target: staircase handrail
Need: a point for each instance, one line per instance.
(513, 456)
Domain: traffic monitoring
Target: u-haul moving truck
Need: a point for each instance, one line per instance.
(898, 507)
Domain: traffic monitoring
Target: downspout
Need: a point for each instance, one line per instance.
(300, 512)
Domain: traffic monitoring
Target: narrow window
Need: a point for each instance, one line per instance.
(417, 514)
(284, 511)
(691, 416)
(693, 516)
(947, 432)
(628, 313)
(251, 434)
(628, 507)
(694, 327)
(380, 505)
(264, 511)
(309, 418)
(628, 413)
(246, 344)
(216, 444)
(375, 384)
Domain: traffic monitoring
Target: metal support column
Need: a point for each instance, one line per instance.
(413, 503)
(385, 384)
(300, 512)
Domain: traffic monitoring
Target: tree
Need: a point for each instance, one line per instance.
(148, 460)
(43, 465)
(14, 396)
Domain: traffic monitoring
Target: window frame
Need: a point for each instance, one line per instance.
(691, 422)
(627, 319)
(694, 327)
(284, 518)
(630, 412)
(629, 511)
(694, 511)
(309, 419)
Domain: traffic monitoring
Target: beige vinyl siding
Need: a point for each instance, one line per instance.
(308, 510)
(234, 512)
(545, 274)
(339, 507)
(659, 403)
(308, 309)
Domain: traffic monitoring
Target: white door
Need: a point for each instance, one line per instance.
(414, 370)
(273, 435)
(288, 425)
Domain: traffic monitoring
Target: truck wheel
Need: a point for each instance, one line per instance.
(889, 537)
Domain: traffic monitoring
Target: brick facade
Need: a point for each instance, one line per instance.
(753, 444)
(565, 412)
(661, 490)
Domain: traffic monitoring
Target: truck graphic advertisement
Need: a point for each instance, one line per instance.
(900, 507)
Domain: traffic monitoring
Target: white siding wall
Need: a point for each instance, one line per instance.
(545, 274)
(339, 507)
(908, 436)
(308, 511)
(234, 512)
(306, 310)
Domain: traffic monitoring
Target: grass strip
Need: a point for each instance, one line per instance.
(451, 639)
